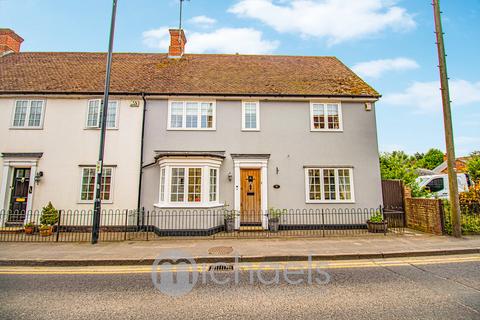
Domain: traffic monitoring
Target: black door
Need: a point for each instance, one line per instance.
(18, 200)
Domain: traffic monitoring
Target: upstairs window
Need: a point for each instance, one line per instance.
(94, 114)
(329, 185)
(191, 115)
(28, 114)
(250, 116)
(326, 117)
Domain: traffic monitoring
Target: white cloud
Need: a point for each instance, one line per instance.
(376, 68)
(464, 145)
(426, 97)
(223, 40)
(202, 21)
(335, 20)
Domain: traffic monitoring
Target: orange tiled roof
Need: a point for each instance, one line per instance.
(213, 74)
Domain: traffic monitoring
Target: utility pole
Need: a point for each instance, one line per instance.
(97, 205)
(447, 120)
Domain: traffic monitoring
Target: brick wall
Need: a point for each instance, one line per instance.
(424, 214)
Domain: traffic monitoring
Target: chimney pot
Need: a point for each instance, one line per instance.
(9, 41)
(177, 43)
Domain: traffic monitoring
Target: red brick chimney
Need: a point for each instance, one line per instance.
(9, 41)
(177, 43)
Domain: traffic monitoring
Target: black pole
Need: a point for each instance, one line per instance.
(97, 207)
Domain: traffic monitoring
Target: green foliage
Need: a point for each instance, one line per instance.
(376, 217)
(470, 221)
(401, 166)
(274, 213)
(49, 215)
(473, 166)
(430, 160)
(29, 225)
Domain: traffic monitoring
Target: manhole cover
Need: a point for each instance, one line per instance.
(220, 250)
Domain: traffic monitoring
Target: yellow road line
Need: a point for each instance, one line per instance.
(300, 265)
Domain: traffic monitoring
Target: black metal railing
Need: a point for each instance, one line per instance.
(216, 223)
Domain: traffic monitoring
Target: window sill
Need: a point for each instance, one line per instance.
(251, 130)
(191, 129)
(329, 201)
(188, 205)
(87, 128)
(26, 128)
(91, 202)
(326, 130)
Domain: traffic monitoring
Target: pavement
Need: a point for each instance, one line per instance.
(441, 287)
(230, 250)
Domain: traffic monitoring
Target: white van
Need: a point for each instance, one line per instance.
(438, 184)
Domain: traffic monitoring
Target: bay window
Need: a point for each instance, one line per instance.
(329, 185)
(192, 183)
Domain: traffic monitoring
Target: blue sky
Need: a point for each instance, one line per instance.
(389, 43)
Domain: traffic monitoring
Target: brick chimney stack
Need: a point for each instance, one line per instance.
(177, 43)
(9, 41)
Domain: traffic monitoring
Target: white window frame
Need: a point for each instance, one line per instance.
(322, 190)
(199, 115)
(257, 115)
(205, 164)
(27, 115)
(325, 103)
(112, 184)
(117, 109)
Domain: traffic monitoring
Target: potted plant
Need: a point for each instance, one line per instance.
(274, 218)
(376, 223)
(29, 228)
(229, 217)
(46, 230)
(48, 218)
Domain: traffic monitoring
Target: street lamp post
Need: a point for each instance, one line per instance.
(97, 206)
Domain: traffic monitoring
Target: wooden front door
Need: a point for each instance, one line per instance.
(250, 197)
(19, 195)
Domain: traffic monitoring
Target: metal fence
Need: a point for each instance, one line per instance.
(122, 225)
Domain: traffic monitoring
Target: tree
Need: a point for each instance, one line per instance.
(430, 160)
(473, 166)
(397, 165)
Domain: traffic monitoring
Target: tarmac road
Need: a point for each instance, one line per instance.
(421, 288)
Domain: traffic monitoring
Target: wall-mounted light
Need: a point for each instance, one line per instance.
(230, 176)
(277, 170)
(38, 176)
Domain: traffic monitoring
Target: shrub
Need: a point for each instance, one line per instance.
(473, 166)
(377, 217)
(49, 215)
(469, 219)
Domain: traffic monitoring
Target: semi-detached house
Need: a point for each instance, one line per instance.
(188, 132)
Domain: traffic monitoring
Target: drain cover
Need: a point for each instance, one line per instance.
(221, 267)
(220, 250)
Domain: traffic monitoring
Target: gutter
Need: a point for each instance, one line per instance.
(141, 153)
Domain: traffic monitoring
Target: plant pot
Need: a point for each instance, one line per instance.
(377, 227)
(29, 230)
(229, 225)
(45, 232)
(273, 224)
